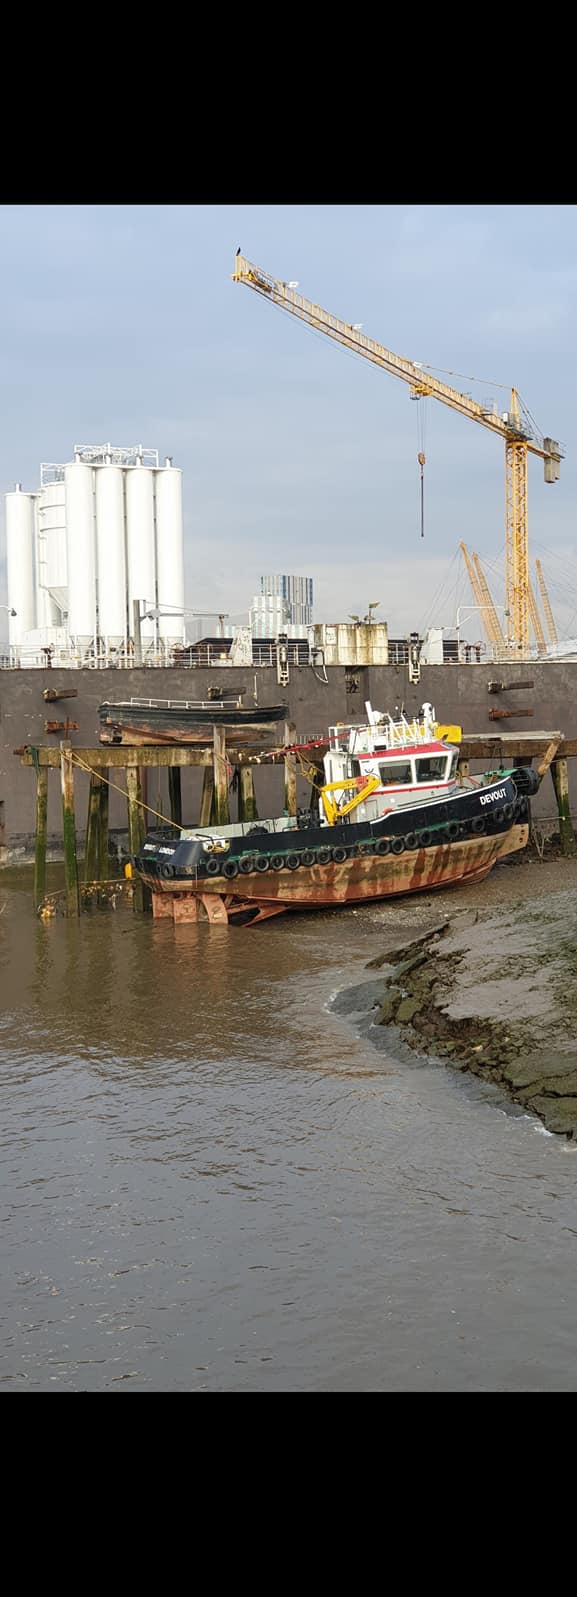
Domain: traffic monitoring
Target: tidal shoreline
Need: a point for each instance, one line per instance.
(489, 988)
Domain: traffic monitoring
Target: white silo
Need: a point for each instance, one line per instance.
(140, 545)
(170, 552)
(80, 553)
(110, 558)
(20, 530)
(52, 571)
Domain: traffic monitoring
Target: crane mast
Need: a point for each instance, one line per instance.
(514, 427)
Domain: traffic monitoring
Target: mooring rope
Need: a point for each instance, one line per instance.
(75, 760)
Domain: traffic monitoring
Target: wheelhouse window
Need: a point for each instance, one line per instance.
(396, 773)
(432, 768)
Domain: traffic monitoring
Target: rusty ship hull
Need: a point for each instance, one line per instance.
(140, 724)
(358, 880)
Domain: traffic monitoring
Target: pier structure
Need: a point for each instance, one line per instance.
(104, 764)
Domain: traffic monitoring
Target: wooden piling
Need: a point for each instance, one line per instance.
(69, 829)
(222, 813)
(561, 785)
(40, 842)
(175, 794)
(290, 771)
(103, 861)
(136, 828)
(247, 810)
(92, 848)
(207, 800)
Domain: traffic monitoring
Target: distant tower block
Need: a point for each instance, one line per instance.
(284, 604)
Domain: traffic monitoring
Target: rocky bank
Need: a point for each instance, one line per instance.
(494, 993)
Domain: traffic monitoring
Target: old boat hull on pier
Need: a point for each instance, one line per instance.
(359, 880)
(141, 724)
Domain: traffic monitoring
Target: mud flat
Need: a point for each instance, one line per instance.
(490, 989)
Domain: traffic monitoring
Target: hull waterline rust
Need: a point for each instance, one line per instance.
(352, 881)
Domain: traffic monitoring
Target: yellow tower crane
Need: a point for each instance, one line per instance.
(513, 426)
(546, 603)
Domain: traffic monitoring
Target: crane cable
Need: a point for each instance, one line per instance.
(421, 457)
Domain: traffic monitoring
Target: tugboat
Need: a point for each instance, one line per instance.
(392, 816)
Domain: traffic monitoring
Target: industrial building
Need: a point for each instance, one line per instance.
(96, 560)
(284, 605)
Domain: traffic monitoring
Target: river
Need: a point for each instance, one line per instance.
(212, 1182)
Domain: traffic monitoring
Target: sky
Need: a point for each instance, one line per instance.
(122, 323)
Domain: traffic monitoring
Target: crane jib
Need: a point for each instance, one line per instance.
(515, 429)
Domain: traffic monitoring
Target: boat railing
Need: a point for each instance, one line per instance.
(387, 733)
(186, 704)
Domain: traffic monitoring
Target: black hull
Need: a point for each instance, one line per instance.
(491, 809)
(165, 720)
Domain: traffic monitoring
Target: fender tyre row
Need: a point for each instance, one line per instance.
(449, 833)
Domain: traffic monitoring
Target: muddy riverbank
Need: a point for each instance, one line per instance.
(212, 1182)
(490, 988)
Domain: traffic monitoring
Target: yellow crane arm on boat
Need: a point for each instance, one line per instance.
(364, 786)
(449, 734)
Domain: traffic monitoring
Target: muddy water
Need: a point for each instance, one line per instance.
(212, 1182)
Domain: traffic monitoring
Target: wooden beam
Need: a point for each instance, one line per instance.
(40, 843)
(92, 847)
(247, 810)
(122, 757)
(175, 794)
(136, 828)
(222, 813)
(509, 748)
(548, 756)
(103, 860)
(512, 748)
(69, 829)
(290, 771)
(207, 800)
(561, 786)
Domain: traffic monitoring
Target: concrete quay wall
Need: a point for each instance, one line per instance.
(459, 694)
